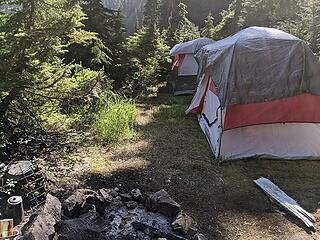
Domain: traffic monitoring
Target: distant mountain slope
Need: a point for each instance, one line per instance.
(131, 9)
(198, 10)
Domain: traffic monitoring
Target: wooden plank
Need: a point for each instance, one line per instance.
(281, 198)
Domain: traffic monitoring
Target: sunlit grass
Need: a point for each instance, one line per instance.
(171, 113)
(115, 122)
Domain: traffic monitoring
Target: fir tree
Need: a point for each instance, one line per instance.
(34, 75)
(208, 29)
(108, 24)
(231, 21)
(181, 29)
(165, 12)
(147, 60)
(315, 24)
(108, 50)
(151, 12)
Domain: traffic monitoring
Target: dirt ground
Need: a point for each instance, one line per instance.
(170, 152)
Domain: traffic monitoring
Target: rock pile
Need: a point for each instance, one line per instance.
(109, 214)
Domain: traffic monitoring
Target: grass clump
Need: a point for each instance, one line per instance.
(115, 121)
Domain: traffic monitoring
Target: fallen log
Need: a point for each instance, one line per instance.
(281, 198)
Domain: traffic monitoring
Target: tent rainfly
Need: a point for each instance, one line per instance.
(184, 70)
(258, 96)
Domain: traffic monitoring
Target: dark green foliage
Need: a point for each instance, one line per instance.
(147, 55)
(208, 29)
(165, 11)
(108, 51)
(299, 17)
(181, 29)
(61, 58)
(33, 42)
(151, 12)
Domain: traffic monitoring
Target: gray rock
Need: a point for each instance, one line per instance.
(87, 226)
(162, 202)
(126, 197)
(3, 167)
(200, 236)
(41, 224)
(106, 194)
(73, 205)
(19, 169)
(136, 194)
(114, 192)
(131, 204)
(184, 223)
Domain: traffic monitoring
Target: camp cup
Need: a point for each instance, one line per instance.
(6, 228)
(15, 209)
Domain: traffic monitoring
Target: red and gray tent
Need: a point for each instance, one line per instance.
(258, 95)
(184, 70)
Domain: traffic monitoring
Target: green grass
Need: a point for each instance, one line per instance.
(115, 122)
(172, 108)
(173, 113)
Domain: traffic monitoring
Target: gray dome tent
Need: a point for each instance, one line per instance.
(258, 95)
(257, 63)
(184, 70)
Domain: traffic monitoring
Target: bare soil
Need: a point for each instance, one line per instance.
(170, 152)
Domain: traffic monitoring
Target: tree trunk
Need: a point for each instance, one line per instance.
(5, 103)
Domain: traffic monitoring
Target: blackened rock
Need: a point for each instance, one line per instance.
(81, 228)
(95, 199)
(162, 202)
(72, 206)
(155, 232)
(136, 194)
(106, 194)
(98, 201)
(114, 192)
(184, 224)
(41, 224)
(131, 204)
(126, 197)
(87, 207)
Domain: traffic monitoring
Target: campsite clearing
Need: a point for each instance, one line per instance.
(170, 152)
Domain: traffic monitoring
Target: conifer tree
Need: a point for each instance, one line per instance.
(151, 12)
(232, 20)
(34, 40)
(315, 25)
(181, 28)
(165, 12)
(107, 52)
(108, 24)
(146, 53)
(208, 29)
